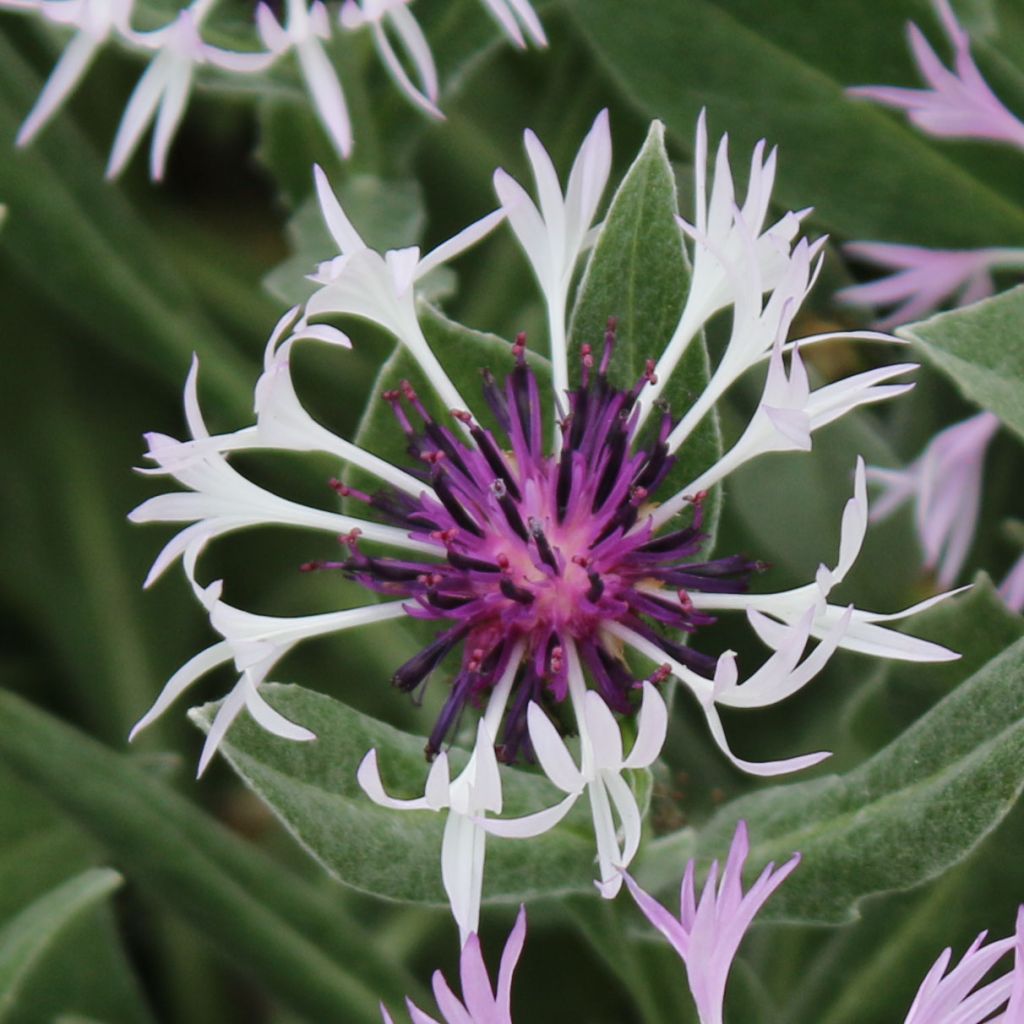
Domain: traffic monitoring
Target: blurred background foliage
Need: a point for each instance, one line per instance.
(107, 290)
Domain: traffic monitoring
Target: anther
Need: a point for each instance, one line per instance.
(685, 601)
(446, 537)
(503, 562)
(581, 560)
(660, 674)
(649, 375)
(351, 539)
(518, 594)
(311, 566)
(462, 416)
(519, 347)
(432, 458)
(556, 663)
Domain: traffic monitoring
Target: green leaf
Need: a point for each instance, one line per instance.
(638, 273)
(42, 851)
(776, 71)
(978, 624)
(312, 788)
(75, 238)
(905, 816)
(979, 349)
(26, 938)
(302, 944)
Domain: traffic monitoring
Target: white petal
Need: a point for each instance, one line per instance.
(344, 234)
(325, 89)
(270, 719)
(552, 753)
(368, 777)
(652, 725)
(193, 669)
(68, 72)
(139, 112)
(226, 714)
(172, 109)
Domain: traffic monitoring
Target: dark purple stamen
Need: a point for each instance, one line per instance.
(540, 551)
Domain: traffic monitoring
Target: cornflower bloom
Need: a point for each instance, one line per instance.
(955, 998)
(545, 568)
(479, 1004)
(708, 931)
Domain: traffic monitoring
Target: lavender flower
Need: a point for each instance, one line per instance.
(944, 483)
(544, 565)
(708, 932)
(955, 998)
(480, 1004)
(957, 103)
(925, 279)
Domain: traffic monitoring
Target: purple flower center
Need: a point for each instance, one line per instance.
(540, 548)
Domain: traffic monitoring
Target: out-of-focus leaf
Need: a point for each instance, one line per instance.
(912, 811)
(83, 966)
(27, 937)
(304, 948)
(75, 238)
(776, 72)
(312, 788)
(979, 348)
(638, 272)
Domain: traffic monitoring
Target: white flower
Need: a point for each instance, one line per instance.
(599, 773)
(306, 29)
(553, 236)
(255, 643)
(545, 564)
(381, 288)
(788, 413)
(222, 500)
(515, 15)
(95, 21)
(785, 622)
(474, 792)
(395, 14)
(163, 90)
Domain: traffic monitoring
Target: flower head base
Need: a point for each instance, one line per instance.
(479, 1003)
(536, 548)
(708, 932)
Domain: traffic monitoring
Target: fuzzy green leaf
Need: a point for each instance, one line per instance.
(905, 816)
(979, 349)
(312, 788)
